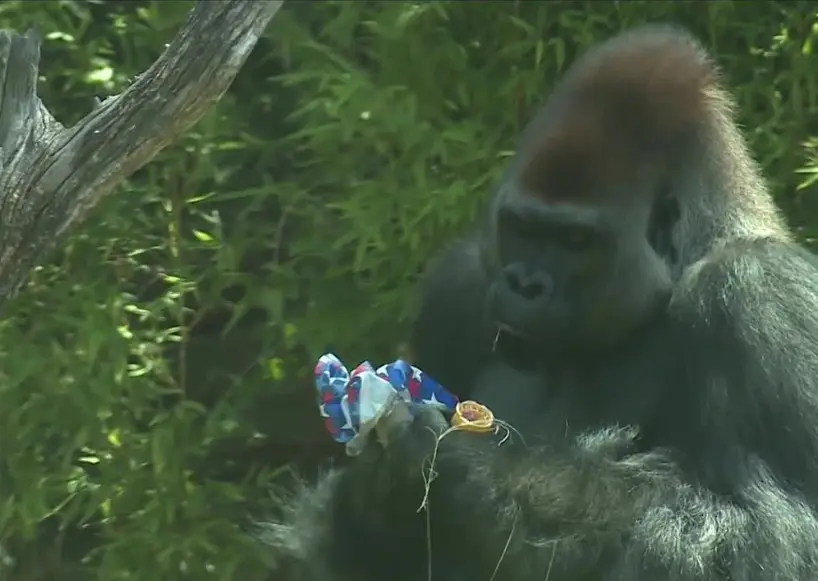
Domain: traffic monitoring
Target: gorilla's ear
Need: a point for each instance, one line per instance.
(664, 214)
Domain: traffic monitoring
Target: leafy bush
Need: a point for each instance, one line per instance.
(155, 372)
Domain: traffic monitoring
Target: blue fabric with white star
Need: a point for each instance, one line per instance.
(340, 393)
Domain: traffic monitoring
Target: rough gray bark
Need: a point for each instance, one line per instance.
(51, 176)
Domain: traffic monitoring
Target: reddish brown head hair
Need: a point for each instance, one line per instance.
(628, 104)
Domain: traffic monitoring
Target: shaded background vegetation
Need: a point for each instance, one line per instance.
(155, 374)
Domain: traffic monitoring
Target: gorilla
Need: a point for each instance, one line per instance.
(635, 308)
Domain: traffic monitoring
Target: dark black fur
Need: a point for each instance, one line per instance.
(669, 401)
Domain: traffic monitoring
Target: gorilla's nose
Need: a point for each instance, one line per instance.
(532, 285)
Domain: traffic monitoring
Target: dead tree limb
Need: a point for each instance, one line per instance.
(51, 176)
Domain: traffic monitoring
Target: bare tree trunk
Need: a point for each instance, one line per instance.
(51, 176)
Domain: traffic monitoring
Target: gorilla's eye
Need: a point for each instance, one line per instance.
(577, 238)
(665, 213)
(529, 230)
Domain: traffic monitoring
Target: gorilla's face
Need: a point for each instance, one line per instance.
(572, 278)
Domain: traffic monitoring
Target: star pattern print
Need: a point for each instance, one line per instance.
(340, 392)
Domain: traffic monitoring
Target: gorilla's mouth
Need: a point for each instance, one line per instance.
(516, 347)
(511, 331)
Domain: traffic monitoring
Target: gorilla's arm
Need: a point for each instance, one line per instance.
(450, 333)
(730, 509)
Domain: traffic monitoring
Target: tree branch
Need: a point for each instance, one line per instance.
(51, 176)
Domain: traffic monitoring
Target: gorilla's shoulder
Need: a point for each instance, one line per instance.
(760, 269)
(763, 292)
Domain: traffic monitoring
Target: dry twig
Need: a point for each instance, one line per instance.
(51, 176)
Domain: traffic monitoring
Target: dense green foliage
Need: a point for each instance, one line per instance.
(155, 372)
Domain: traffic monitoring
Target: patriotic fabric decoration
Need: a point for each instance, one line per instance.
(353, 403)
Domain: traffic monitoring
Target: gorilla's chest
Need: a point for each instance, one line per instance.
(558, 406)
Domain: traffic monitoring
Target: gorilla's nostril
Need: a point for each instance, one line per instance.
(527, 285)
(531, 288)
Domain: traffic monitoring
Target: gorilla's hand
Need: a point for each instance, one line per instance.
(389, 481)
(387, 498)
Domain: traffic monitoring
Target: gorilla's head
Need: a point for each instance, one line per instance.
(583, 238)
